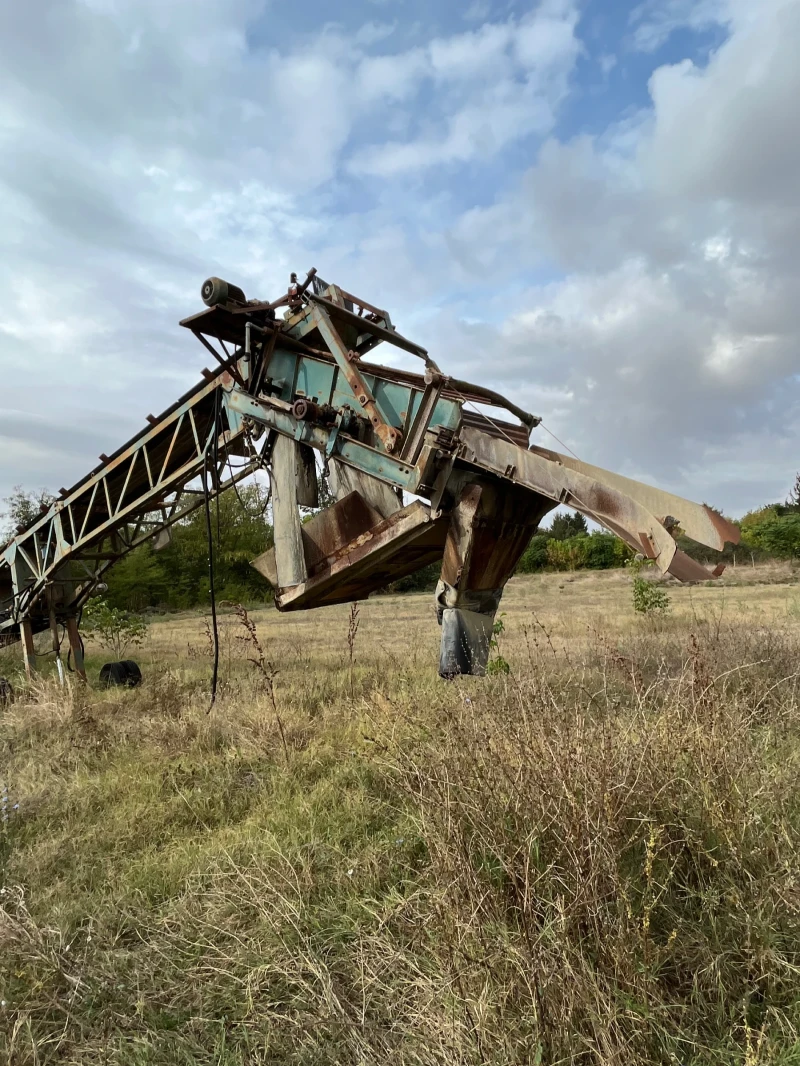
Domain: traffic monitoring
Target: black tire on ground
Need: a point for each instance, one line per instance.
(112, 674)
(125, 673)
(133, 671)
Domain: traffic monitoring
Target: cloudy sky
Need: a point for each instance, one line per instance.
(593, 205)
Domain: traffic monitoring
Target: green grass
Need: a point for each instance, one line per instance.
(591, 860)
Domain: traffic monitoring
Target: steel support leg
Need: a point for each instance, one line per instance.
(76, 647)
(290, 560)
(57, 647)
(28, 649)
(488, 533)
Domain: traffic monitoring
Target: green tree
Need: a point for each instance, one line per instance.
(535, 555)
(139, 580)
(778, 535)
(114, 630)
(22, 507)
(177, 576)
(565, 526)
(753, 519)
(793, 500)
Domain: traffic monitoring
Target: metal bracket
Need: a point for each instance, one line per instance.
(330, 447)
(388, 435)
(434, 383)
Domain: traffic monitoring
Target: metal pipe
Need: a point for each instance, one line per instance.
(247, 327)
(249, 324)
(496, 398)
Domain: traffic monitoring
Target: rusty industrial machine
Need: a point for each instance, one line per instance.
(423, 467)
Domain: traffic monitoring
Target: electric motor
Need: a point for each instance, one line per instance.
(216, 291)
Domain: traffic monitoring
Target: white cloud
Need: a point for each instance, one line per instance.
(639, 288)
(507, 81)
(607, 63)
(681, 300)
(654, 21)
(477, 11)
(372, 32)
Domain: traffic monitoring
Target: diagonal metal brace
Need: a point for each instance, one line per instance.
(388, 435)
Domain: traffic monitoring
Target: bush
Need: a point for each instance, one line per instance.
(778, 535)
(648, 597)
(535, 555)
(595, 551)
(113, 629)
(569, 554)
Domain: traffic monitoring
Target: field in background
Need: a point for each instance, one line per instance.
(592, 859)
(400, 632)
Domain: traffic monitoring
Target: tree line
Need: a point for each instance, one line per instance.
(176, 577)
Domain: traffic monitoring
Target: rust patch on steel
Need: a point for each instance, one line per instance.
(727, 530)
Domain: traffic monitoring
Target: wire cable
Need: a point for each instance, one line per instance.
(210, 538)
(560, 441)
(258, 463)
(500, 429)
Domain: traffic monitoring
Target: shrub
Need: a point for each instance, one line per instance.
(569, 554)
(112, 628)
(535, 555)
(648, 597)
(779, 535)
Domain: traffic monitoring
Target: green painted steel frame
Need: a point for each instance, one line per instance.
(134, 495)
(292, 374)
(373, 461)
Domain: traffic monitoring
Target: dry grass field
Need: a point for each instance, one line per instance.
(400, 632)
(592, 858)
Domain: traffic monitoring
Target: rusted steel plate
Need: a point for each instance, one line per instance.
(684, 568)
(607, 505)
(490, 529)
(494, 426)
(348, 318)
(395, 547)
(325, 533)
(697, 521)
(625, 516)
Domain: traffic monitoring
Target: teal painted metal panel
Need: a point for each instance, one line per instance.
(294, 374)
(315, 380)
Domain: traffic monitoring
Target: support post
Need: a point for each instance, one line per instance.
(489, 531)
(56, 647)
(76, 647)
(290, 560)
(28, 649)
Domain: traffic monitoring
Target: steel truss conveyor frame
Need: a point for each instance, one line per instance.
(50, 569)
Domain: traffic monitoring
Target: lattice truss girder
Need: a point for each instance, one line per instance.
(131, 498)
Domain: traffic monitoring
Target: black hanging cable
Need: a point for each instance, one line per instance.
(210, 537)
(217, 475)
(261, 465)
